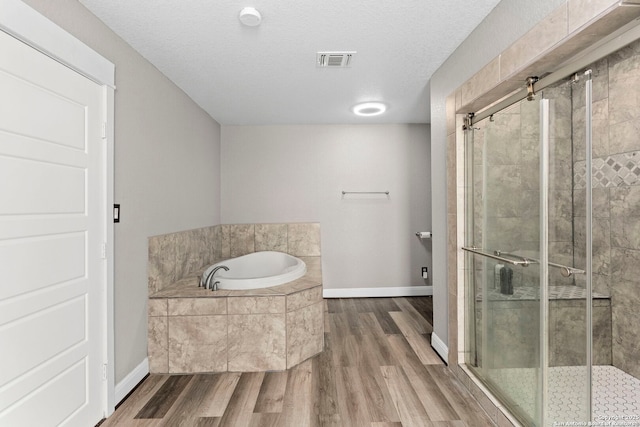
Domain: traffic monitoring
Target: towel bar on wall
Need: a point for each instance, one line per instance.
(364, 192)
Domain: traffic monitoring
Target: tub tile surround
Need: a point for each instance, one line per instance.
(158, 343)
(192, 330)
(305, 330)
(257, 342)
(271, 237)
(258, 330)
(197, 343)
(573, 27)
(161, 268)
(176, 256)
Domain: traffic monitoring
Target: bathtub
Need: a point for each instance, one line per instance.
(258, 270)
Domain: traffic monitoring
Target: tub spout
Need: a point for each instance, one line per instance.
(207, 281)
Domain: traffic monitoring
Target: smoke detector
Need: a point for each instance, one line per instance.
(250, 17)
(334, 59)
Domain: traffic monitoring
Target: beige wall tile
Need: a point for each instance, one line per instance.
(210, 250)
(305, 333)
(304, 298)
(452, 345)
(225, 241)
(241, 239)
(197, 344)
(256, 305)
(582, 11)
(451, 174)
(481, 82)
(157, 345)
(175, 256)
(217, 250)
(191, 251)
(461, 316)
(157, 307)
(539, 40)
(257, 342)
(304, 239)
(450, 107)
(197, 306)
(452, 254)
(271, 237)
(314, 268)
(295, 286)
(161, 266)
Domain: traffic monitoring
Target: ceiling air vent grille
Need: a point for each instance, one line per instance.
(334, 59)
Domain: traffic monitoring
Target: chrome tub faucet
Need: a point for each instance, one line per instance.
(206, 282)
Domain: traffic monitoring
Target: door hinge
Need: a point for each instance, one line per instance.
(104, 372)
(104, 251)
(103, 133)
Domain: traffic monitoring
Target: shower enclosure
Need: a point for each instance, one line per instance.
(552, 246)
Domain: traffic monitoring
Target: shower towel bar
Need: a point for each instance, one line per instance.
(474, 250)
(365, 192)
(525, 262)
(566, 270)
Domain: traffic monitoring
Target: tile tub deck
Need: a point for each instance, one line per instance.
(193, 330)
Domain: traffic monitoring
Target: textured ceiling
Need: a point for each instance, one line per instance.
(268, 74)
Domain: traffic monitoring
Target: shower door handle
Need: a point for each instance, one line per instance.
(523, 261)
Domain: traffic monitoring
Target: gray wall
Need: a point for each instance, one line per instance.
(296, 174)
(504, 25)
(167, 174)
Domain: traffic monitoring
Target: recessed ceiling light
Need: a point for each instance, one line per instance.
(369, 109)
(250, 17)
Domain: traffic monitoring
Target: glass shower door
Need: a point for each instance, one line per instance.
(566, 147)
(504, 292)
(528, 286)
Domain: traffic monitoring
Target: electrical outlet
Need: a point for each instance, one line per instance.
(425, 272)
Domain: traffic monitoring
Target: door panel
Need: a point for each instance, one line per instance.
(54, 260)
(52, 331)
(44, 179)
(52, 227)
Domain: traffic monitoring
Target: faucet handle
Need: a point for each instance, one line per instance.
(214, 286)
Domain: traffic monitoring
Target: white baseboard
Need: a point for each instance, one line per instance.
(440, 347)
(401, 291)
(132, 379)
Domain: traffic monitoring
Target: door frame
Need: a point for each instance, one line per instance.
(29, 26)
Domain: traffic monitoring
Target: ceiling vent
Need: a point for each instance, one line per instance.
(334, 59)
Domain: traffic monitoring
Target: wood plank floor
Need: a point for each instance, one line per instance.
(377, 370)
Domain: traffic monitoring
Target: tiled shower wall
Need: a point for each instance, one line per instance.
(509, 144)
(178, 255)
(616, 195)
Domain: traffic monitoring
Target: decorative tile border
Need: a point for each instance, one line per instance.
(617, 170)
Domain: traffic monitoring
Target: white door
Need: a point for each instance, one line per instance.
(52, 228)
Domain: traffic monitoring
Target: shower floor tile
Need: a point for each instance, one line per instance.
(616, 394)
